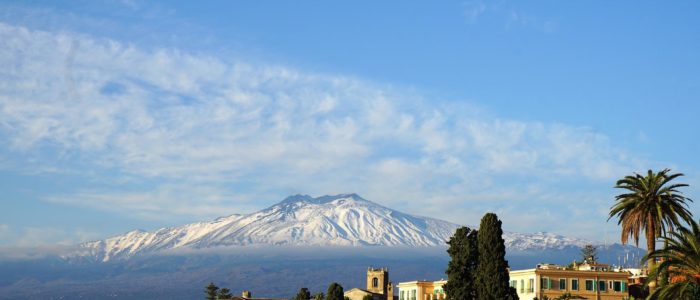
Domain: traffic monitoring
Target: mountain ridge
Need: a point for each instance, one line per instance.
(302, 220)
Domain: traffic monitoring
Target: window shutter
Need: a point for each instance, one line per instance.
(624, 286)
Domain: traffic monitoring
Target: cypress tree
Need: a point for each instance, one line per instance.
(224, 293)
(589, 253)
(492, 270)
(335, 292)
(303, 294)
(319, 296)
(464, 258)
(210, 290)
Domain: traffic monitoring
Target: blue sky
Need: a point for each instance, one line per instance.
(127, 114)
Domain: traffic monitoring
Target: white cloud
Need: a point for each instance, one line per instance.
(40, 236)
(209, 131)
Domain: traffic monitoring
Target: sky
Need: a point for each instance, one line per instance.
(117, 115)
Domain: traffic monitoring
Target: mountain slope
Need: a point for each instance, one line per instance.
(300, 220)
(341, 220)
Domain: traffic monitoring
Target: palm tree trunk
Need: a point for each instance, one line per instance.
(651, 246)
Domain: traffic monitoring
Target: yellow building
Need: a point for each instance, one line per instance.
(421, 290)
(596, 282)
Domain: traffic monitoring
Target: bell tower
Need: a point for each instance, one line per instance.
(378, 280)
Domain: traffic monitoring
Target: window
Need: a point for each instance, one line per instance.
(617, 286)
(562, 284)
(574, 284)
(375, 282)
(413, 295)
(589, 285)
(401, 295)
(545, 283)
(531, 285)
(522, 285)
(602, 286)
(514, 284)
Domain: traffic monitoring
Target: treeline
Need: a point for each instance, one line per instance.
(334, 292)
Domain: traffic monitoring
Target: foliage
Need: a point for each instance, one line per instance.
(367, 297)
(303, 294)
(210, 291)
(568, 296)
(461, 269)
(513, 294)
(589, 253)
(492, 269)
(681, 261)
(650, 204)
(335, 292)
(319, 296)
(224, 293)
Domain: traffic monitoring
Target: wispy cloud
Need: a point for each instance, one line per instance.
(510, 16)
(205, 131)
(39, 236)
(473, 10)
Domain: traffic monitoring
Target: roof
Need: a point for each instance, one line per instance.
(359, 289)
(243, 298)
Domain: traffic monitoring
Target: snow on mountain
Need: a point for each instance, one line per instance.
(541, 241)
(300, 220)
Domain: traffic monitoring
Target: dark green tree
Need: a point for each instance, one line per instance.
(303, 294)
(589, 253)
(513, 293)
(224, 293)
(319, 296)
(492, 271)
(367, 297)
(461, 270)
(211, 290)
(335, 292)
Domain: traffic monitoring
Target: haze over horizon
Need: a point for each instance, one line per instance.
(117, 115)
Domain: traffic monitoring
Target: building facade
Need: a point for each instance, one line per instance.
(592, 282)
(421, 290)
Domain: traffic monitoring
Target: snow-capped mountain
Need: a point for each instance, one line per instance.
(300, 220)
(541, 241)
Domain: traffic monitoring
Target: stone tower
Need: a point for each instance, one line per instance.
(378, 280)
(390, 291)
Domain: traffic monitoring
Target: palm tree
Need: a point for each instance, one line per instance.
(650, 204)
(681, 259)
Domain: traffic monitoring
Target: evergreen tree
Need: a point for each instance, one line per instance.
(513, 294)
(319, 296)
(224, 293)
(335, 292)
(464, 258)
(211, 290)
(492, 270)
(303, 294)
(589, 253)
(367, 297)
